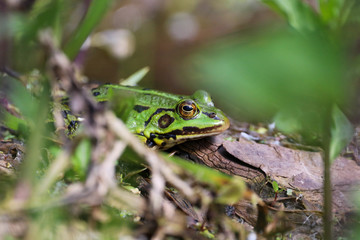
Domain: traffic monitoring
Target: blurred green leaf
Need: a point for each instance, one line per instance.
(309, 125)
(53, 151)
(210, 176)
(330, 9)
(45, 14)
(135, 78)
(81, 158)
(298, 14)
(230, 189)
(93, 16)
(206, 233)
(335, 12)
(36, 140)
(27, 104)
(12, 122)
(232, 192)
(273, 71)
(341, 132)
(281, 72)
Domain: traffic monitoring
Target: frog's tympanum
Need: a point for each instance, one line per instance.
(160, 118)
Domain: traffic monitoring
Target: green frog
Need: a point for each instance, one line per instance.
(158, 118)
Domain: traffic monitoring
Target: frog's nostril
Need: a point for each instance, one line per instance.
(212, 115)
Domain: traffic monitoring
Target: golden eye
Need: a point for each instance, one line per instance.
(187, 109)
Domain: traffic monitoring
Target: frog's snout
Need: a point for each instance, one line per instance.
(226, 124)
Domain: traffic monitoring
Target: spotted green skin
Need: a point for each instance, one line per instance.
(153, 115)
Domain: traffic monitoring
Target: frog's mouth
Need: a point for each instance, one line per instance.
(194, 132)
(167, 140)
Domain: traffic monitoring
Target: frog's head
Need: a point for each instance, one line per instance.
(190, 118)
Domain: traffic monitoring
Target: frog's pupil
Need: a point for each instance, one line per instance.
(187, 108)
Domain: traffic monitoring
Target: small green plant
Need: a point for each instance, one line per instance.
(276, 189)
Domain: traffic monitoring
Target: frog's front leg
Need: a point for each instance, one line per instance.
(71, 121)
(148, 141)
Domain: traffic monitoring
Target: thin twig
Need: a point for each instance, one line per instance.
(56, 168)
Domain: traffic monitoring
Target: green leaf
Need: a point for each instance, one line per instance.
(273, 71)
(275, 186)
(94, 14)
(81, 158)
(13, 122)
(294, 121)
(335, 12)
(45, 14)
(341, 132)
(301, 16)
(231, 192)
(230, 189)
(27, 104)
(298, 14)
(135, 77)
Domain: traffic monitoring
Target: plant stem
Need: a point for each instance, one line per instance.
(327, 179)
(327, 198)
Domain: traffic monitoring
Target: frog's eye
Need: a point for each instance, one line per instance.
(187, 109)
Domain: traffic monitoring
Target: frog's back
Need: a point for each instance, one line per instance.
(135, 105)
(143, 95)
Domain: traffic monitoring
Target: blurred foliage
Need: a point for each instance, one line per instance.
(273, 71)
(229, 189)
(341, 132)
(94, 14)
(81, 159)
(279, 74)
(299, 15)
(299, 76)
